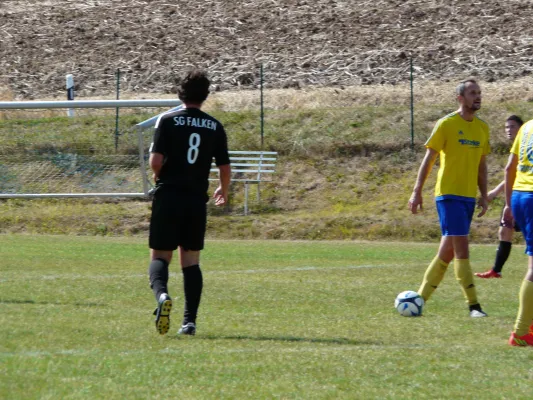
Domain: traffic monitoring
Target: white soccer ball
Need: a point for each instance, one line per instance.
(409, 304)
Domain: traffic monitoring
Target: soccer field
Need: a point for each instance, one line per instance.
(291, 320)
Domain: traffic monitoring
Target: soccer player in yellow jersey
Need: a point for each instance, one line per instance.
(462, 141)
(519, 205)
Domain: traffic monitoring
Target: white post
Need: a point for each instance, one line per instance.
(245, 198)
(70, 93)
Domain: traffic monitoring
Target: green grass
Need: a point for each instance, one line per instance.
(294, 133)
(361, 198)
(305, 320)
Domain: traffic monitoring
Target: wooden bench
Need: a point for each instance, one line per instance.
(250, 167)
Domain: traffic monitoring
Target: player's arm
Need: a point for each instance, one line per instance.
(224, 168)
(156, 162)
(157, 149)
(425, 168)
(221, 193)
(482, 179)
(510, 176)
(492, 194)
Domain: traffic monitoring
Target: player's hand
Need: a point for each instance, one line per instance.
(482, 203)
(220, 197)
(491, 195)
(415, 202)
(507, 217)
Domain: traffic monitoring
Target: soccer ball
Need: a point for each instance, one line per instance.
(409, 304)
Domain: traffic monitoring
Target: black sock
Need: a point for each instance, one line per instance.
(158, 272)
(192, 285)
(502, 254)
(475, 307)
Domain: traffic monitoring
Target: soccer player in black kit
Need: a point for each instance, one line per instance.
(185, 143)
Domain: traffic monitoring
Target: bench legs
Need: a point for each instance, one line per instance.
(246, 198)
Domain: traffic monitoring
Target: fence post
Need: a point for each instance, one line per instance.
(117, 134)
(412, 106)
(261, 72)
(70, 93)
(262, 107)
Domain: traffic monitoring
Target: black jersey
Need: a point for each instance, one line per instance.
(189, 139)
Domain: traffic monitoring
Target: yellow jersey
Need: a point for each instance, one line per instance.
(523, 148)
(461, 144)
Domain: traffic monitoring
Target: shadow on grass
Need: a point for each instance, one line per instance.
(345, 341)
(50, 303)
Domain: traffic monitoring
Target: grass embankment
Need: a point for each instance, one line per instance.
(344, 171)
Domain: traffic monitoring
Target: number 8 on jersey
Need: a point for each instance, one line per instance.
(194, 143)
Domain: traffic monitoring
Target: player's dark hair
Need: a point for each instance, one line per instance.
(460, 89)
(194, 87)
(516, 119)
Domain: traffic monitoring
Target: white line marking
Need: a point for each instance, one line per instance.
(205, 271)
(296, 269)
(324, 347)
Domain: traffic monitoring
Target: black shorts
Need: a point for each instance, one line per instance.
(515, 225)
(177, 220)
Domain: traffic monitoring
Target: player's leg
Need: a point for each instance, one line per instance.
(195, 221)
(437, 268)
(458, 215)
(158, 273)
(522, 206)
(192, 287)
(163, 242)
(464, 275)
(504, 248)
(521, 335)
(505, 234)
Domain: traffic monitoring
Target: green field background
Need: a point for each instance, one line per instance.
(298, 320)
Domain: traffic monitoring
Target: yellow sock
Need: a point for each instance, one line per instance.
(463, 273)
(433, 276)
(525, 310)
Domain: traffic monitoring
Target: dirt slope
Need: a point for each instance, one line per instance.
(300, 42)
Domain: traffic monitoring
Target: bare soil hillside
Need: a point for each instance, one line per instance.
(300, 42)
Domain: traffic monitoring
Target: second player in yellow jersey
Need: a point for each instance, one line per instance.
(521, 148)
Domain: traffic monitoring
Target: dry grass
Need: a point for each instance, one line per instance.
(425, 93)
(6, 94)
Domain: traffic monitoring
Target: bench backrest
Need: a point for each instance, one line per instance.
(250, 166)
